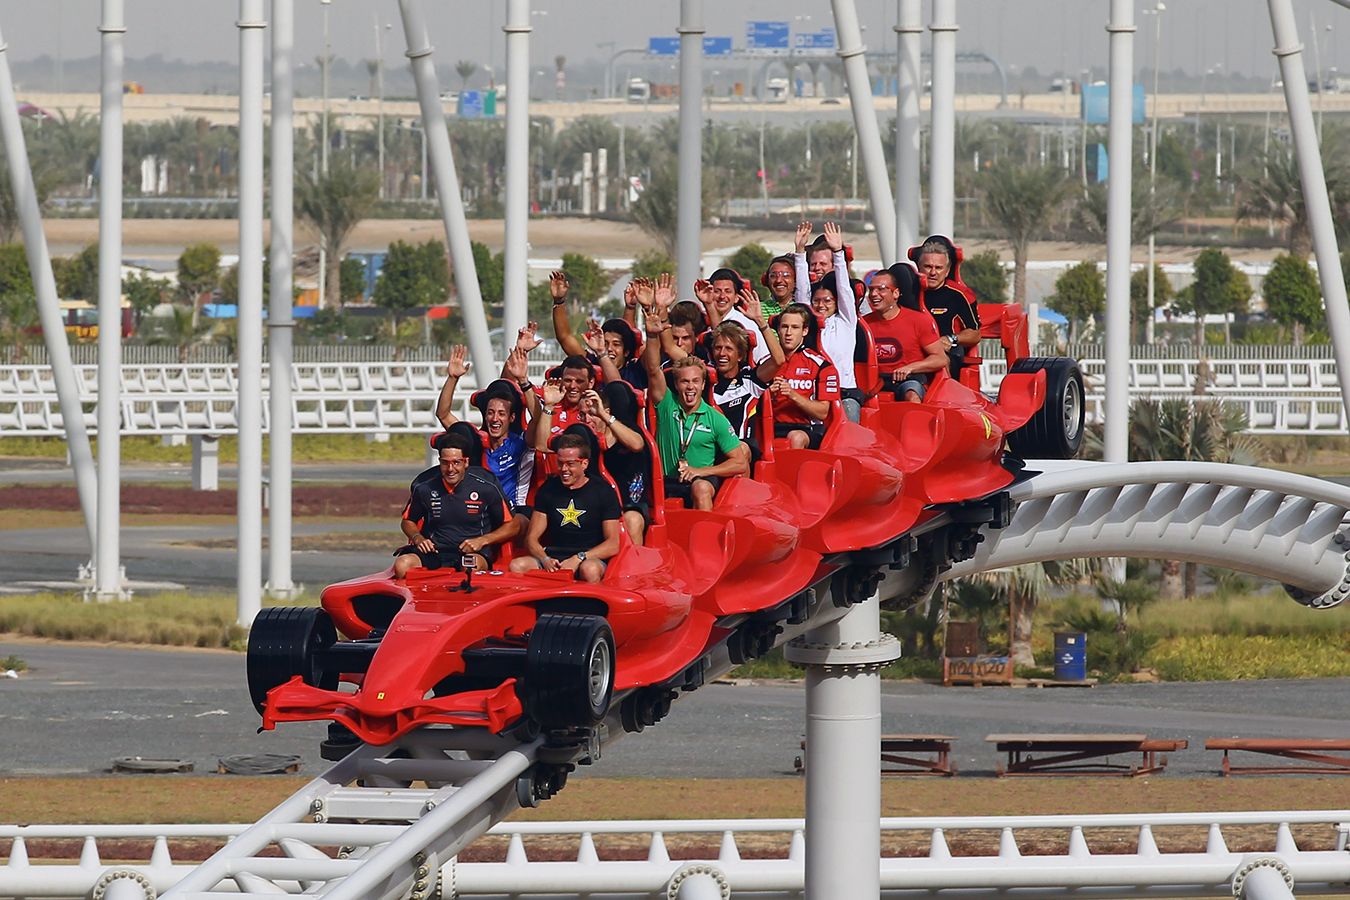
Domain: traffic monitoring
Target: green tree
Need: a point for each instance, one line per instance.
(1022, 200)
(414, 275)
(590, 282)
(1149, 212)
(179, 329)
(1022, 588)
(77, 276)
(1080, 296)
(1292, 294)
(1139, 309)
(352, 278)
(984, 274)
(18, 321)
(651, 263)
(14, 275)
(1275, 193)
(198, 270)
(657, 207)
(144, 292)
(751, 261)
(491, 271)
(1219, 288)
(229, 283)
(333, 205)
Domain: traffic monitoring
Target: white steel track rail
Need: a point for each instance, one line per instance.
(765, 856)
(1274, 524)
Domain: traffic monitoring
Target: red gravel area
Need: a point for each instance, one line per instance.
(346, 501)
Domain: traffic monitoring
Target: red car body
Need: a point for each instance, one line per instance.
(767, 539)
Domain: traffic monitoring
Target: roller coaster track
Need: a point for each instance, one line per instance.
(363, 830)
(1273, 524)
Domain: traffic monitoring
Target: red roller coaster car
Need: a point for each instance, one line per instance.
(497, 650)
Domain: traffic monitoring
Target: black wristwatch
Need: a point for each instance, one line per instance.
(581, 557)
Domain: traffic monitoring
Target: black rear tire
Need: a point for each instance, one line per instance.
(1056, 430)
(285, 642)
(569, 671)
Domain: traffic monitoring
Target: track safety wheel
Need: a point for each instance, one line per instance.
(569, 671)
(1056, 430)
(285, 642)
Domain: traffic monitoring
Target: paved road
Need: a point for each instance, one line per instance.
(152, 554)
(80, 707)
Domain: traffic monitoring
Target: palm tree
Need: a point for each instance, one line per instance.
(1276, 194)
(179, 330)
(1022, 588)
(333, 204)
(465, 69)
(1149, 213)
(1021, 200)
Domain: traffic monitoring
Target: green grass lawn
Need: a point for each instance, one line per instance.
(306, 448)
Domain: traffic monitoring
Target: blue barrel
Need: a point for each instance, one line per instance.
(1070, 656)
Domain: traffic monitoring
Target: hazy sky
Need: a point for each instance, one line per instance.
(1049, 34)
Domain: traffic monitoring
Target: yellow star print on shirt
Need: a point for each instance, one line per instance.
(570, 514)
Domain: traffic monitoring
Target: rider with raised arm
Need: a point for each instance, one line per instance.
(689, 432)
(721, 294)
(738, 384)
(906, 338)
(619, 339)
(832, 300)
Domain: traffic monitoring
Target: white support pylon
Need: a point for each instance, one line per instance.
(517, 211)
(249, 569)
(843, 663)
(280, 316)
(48, 304)
(1119, 180)
(908, 180)
(107, 545)
(942, 139)
(689, 202)
(880, 199)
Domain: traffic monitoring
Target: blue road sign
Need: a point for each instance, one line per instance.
(1096, 104)
(664, 46)
(814, 40)
(470, 104)
(767, 35)
(717, 46)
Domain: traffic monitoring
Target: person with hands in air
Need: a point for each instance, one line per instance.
(907, 343)
(690, 433)
(461, 514)
(561, 394)
(723, 298)
(611, 412)
(806, 384)
(619, 339)
(737, 384)
(832, 300)
(576, 519)
(501, 405)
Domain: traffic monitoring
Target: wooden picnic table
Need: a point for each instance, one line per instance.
(898, 755)
(1081, 754)
(1324, 756)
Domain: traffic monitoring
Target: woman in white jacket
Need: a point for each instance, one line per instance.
(835, 306)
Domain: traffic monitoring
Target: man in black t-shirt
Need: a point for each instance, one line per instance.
(460, 514)
(576, 519)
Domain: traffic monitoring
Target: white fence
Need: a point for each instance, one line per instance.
(1040, 855)
(1279, 396)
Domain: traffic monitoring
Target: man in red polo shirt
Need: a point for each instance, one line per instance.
(906, 338)
(806, 383)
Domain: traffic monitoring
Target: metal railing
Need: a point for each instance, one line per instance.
(1278, 396)
(1054, 854)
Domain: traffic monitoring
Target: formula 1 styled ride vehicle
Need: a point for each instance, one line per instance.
(541, 651)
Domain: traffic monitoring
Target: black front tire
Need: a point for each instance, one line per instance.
(285, 642)
(569, 671)
(1056, 430)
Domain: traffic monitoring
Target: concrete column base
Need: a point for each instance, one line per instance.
(205, 462)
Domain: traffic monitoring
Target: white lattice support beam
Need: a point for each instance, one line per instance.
(1276, 525)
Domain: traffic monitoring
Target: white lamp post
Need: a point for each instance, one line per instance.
(1156, 12)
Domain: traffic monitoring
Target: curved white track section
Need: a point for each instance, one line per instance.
(1291, 528)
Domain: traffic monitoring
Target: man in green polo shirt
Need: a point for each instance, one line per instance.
(689, 432)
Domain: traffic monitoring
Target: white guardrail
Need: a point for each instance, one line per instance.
(1279, 396)
(1050, 855)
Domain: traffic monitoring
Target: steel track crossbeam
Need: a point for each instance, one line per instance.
(1277, 525)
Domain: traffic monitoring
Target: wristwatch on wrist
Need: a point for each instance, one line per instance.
(546, 409)
(581, 557)
(560, 302)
